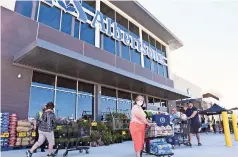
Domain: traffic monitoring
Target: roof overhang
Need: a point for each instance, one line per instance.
(139, 13)
(47, 56)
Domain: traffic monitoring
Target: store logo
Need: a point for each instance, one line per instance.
(162, 120)
(70, 6)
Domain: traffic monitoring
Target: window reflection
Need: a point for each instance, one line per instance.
(108, 99)
(50, 16)
(147, 62)
(87, 33)
(161, 70)
(66, 24)
(124, 102)
(24, 8)
(76, 28)
(123, 24)
(150, 104)
(166, 72)
(164, 51)
(108, 103)
(124, 106)
(155, 67)
(85, 103)
(65, 104)
(109, 44)
(39, 97)
(163, 103)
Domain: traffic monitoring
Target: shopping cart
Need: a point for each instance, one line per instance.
(77, 138)
(155, 142)
(181, 132)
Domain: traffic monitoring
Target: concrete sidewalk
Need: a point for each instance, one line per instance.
(213, 146)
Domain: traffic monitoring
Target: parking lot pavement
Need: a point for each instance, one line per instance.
(213, 146)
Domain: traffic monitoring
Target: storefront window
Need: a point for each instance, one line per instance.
(39, 97)
(76, 28)
(24, 8)
(108, 100)
(109, 44)
(84, 88)
(66, 24)
(85, 104)
(163, 103)
(157, 102)
(65, 104)
(164, 51)
(147, 62)
(155, 67)
(124, 102)
(166, 71)
(66, 84)
(50, 16)
(87, 33)
(158, 47)
(85, 99)
(150, 104)
(135, 55)
(43, 80)
(123, 24)
(161, 69)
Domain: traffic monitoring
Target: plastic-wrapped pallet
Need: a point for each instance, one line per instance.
(160, 147)
(12, 130)
(4, 122)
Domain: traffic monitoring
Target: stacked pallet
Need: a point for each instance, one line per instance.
(12, 130)
(24, 132)
(4, 123)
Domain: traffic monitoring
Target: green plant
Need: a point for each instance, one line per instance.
(106, 137)
(95, 135)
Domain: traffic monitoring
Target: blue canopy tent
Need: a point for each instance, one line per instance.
(214, 110)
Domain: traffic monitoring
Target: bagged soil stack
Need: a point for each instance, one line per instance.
(12, 130)
(24, 130)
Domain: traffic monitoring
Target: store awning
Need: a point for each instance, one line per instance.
(47, 56)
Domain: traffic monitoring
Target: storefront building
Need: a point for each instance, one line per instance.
(84, 56)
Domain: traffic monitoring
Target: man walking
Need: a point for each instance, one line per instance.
(192, 114)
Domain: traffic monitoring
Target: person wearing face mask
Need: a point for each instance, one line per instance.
(138, 124)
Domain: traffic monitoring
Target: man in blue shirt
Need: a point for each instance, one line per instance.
(193, 117)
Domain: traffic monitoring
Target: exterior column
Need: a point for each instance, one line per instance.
(97, 103)
(97, 29)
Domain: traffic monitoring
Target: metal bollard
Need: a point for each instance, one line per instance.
(234, 124)
(226, 129)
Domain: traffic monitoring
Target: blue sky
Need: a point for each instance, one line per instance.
(209, 31)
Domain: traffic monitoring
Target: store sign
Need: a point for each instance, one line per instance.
(107, 27)
(69, 6)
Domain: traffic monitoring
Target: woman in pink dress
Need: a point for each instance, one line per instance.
(138, 124)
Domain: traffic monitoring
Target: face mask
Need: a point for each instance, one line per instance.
(140, 103)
